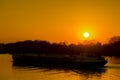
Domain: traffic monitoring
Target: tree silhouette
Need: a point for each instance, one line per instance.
(94, 48)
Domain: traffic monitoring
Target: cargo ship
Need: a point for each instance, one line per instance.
(62, 60)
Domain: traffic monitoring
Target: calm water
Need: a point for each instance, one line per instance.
(10, 72)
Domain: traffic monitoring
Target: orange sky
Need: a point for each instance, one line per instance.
(59, 20)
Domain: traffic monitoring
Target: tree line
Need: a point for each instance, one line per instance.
(112, 48)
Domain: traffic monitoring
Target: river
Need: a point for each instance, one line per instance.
(8, 71)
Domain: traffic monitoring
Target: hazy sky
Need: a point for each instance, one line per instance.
(58, 20)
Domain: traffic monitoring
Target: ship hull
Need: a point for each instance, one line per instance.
(48, 61)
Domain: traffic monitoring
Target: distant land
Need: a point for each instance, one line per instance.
(112, 48)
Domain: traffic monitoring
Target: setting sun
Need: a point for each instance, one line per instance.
(86, 34)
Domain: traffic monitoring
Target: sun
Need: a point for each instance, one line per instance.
(86, 34)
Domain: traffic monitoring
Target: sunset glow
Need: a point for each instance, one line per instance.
(60, 39)
(86, 34)
(59, 20)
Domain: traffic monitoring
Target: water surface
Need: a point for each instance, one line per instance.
(8, 71)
